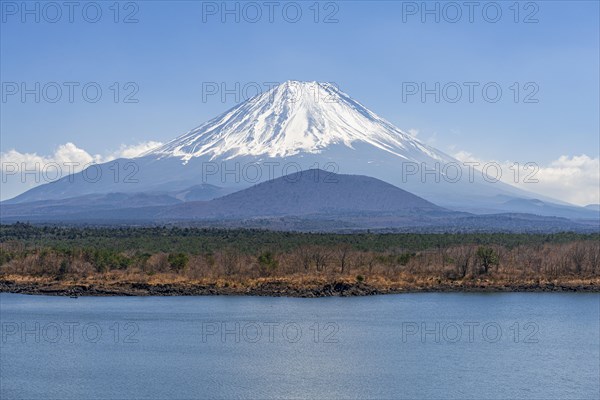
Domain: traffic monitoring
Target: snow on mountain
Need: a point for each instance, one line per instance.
(304, 125)
(291, 118)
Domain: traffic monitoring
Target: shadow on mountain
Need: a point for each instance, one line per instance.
(315, 200)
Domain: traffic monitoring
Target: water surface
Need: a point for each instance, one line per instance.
(450, 346)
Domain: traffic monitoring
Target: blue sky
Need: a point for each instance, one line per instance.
(372, 52)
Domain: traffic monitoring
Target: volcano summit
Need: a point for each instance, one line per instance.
(292, 127)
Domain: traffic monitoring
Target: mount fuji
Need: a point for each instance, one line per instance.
(296, 126)
(291, 119)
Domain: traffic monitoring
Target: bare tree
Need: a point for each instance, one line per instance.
(594, 258)
(577, 253)
(461, 256)
(320, 257)
(229, 260)
(304, 257)
(342, 254)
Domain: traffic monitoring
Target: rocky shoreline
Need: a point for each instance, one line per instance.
(276, 288)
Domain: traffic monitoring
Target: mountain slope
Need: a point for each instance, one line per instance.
(303, 193)
(313, 200)
(308, 192)
(297, 126)
(292, 118)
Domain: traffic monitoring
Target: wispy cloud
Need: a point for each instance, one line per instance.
(70, 153)
(574, 179)
(21, 171)
(135, 150)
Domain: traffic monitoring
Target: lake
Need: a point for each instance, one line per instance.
(427, 345)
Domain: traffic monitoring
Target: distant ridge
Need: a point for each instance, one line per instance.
(313, 191)
(311, 125)
(311, 200)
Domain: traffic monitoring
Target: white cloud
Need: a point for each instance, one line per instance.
(574, 179)
(22, 171)
(135, 150)
(465, 156)
(70, 153)
(432, 139)
(65, 153)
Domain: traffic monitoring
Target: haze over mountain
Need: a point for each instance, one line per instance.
(298, 126)
(313, 200)
(308, 192)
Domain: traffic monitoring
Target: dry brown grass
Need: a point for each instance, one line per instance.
(567, 264)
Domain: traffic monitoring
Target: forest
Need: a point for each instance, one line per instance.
(240, 257)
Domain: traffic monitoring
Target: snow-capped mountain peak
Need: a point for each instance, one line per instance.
(291, 118)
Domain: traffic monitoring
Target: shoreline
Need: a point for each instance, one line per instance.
(282, 288)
